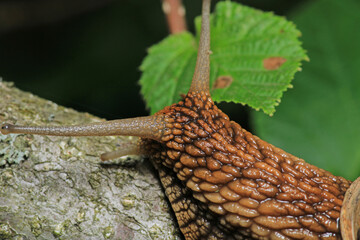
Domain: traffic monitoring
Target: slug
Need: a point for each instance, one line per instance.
(223, 182)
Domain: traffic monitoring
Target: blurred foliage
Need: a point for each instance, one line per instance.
(319, 119)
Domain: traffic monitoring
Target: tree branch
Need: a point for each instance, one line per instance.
(53, 187)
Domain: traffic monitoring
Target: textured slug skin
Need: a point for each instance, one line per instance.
(225, 183)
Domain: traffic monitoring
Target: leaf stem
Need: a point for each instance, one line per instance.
(175, 15)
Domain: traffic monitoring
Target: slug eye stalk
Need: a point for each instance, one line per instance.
(200, 81)
(150, 127)
(147, 127)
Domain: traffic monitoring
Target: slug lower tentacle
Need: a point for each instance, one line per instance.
(222, 181)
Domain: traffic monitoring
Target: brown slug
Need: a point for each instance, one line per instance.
(222, 181)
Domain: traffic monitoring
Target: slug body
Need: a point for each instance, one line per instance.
(225, 183)
(222, 181)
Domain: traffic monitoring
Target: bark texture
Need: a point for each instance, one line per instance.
(56, 188)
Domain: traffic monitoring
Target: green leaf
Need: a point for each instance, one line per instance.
(319, 120)
(242, 41)
(164, 69)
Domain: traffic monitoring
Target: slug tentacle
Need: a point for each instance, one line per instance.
(147, 127)
(200, 81)
(128, 148)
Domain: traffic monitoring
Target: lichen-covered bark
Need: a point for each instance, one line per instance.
(56, 188)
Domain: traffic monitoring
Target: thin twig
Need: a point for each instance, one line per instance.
(175, 15)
